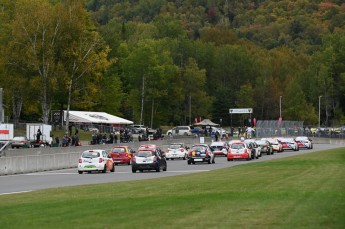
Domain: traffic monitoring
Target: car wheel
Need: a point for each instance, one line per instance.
(141, 170)
(104, 169)
(89, 172)
(113, 168)
(172, 159)
(229, 159)
(80, 172)
(193, 162)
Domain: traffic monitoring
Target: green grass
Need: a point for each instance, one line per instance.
(305, 191)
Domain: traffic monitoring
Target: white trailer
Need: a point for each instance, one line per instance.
(6, 132)
(31, 133)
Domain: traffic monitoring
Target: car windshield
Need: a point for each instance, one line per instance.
(89, 154)
(261, 142)
(175, 146)
(237, 146)
(118, 150)
(198, 148)
(217, 147)
(144, 154)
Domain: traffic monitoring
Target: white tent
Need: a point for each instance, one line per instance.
(95, 117)
(206, 122)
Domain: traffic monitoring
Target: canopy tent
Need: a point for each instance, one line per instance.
(95, 117)
(206, 122)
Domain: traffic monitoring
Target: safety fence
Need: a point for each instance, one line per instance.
(271, 128)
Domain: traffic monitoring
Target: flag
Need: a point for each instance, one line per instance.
(280, 121)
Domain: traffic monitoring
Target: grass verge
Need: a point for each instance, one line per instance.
(306, 191)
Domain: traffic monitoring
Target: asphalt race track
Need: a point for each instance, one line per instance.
(70, 177)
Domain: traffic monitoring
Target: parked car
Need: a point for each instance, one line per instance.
(180, 130)
(221, 131)
(95, 160)
(240, 150)
(122, 154)
(200, 153)
(289, 144)
(176, 151)
(197, 131)
(304, 142)
(265, 146)
(20, 142)
(137, 129)
(149, 157)
(220, 148)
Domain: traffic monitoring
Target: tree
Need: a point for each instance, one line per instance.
(82, 53)
(34, 33)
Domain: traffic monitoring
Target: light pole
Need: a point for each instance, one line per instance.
(319, 108)
(280, 106)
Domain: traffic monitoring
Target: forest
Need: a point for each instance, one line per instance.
(159, 62)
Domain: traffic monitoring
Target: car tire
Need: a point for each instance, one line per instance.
(80, 172)
(104, 169)
(193, 162)
(113, 168)
(228, 159)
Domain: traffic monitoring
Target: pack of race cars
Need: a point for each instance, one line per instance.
(152, 157)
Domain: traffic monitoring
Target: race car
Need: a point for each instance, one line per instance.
(200, 153)
(304, 142)
(240, 150)
(220, 148)
(289, 144)
(95, 160)
(176, 151)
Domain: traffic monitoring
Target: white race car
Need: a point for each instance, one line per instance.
(289, 144)
(176, 151)
(304, 142)
(95, 160)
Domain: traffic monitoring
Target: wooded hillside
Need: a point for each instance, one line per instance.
(166, 62)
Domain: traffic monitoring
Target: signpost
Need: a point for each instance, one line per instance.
(240, 111)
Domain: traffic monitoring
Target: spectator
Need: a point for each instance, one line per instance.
(38, 135)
